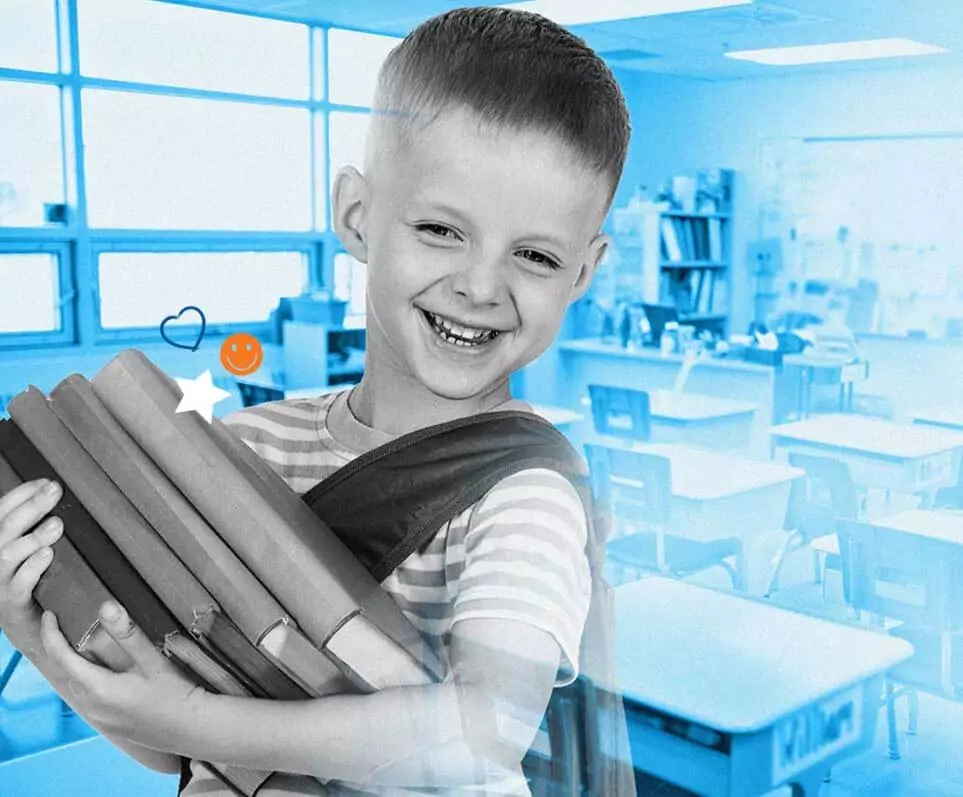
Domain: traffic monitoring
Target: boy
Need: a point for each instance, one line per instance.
(496, 147)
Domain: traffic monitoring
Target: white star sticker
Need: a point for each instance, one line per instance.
(200, 395)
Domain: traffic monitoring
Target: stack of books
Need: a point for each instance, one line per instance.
(215, 557)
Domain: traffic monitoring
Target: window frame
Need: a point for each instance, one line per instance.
(192, 245)
(68, 328)
(79, 246)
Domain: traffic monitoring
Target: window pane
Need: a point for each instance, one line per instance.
(350, 277)
(196, 48)
(30, 153)
(348, 133)
(353, 63)
(30, 299)
(28, 35)
(157, 162)
(140, 289)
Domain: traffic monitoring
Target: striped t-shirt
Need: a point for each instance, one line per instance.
(517, 554)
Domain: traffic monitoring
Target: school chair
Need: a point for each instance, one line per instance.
(253, 394)
(621, 412)
(815, 501)
(636, 489)
(915, 584)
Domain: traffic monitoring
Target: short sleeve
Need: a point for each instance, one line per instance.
(525, 560)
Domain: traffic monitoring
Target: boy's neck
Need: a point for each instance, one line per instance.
(395, 411)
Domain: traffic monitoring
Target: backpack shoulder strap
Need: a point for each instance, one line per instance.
(392, 500)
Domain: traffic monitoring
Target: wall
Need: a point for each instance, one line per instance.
(687, 124)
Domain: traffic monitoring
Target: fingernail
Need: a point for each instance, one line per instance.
(51, 488)
(54, 526)
(111, 612)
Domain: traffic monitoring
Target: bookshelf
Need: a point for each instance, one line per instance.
(679, 249)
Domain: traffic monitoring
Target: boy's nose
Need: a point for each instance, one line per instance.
(481, 281)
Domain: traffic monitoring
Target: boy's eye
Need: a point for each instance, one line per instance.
(439, 230)
(540, 258)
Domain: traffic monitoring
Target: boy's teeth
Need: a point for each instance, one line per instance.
(468, 333)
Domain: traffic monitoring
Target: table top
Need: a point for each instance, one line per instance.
(872, 436)
(934, 525)
(673, 406)
(940, 416)
(734, 664)
(708, 475)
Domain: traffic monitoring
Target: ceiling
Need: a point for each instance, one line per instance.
(689, 44)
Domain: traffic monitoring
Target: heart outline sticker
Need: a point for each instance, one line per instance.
(200, 336)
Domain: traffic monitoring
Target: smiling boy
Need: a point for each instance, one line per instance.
(493, 156)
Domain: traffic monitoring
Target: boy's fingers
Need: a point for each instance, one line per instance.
(116, 621)
(24, 581)
(83, 677)
(17, 552)
(26, 508)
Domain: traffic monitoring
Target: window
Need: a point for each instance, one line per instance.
(30, 299)
(353, 63)
(156, 162)
(29, 38)
(177, 45)
(348, 133)
(30, 153)
(350, 283)
(140, 289)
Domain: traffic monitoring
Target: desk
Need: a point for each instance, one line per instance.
(807, 370)
(704, 421)
(905, 458)
(941, 534)
(715, 496)
(942, 527)
(730, 697)
(944, 418)
(576, 364)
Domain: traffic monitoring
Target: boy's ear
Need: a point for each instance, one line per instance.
(593, 258)
(349, 211)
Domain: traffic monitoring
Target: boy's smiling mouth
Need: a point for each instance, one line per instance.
(458, 334)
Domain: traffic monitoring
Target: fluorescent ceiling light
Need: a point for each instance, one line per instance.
(582, 12)
(838, 51)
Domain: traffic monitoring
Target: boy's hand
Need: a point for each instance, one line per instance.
(152, 704)
(24, 556)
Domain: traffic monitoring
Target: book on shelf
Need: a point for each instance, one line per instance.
(670, 241)
(714, 231)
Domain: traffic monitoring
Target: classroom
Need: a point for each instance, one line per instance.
(763, 380)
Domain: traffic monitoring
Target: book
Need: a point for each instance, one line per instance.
(92, 543)
(312, 573)
(671, 241)
(188, 601)
(97, 554)
(72, 591)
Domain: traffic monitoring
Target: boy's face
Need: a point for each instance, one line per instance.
(476, 242)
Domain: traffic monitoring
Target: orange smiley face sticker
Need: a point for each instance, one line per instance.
(241, 354)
